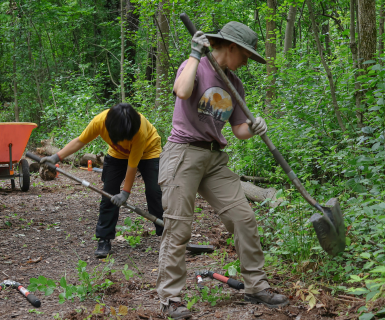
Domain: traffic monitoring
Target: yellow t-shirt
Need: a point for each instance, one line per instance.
(144, 145)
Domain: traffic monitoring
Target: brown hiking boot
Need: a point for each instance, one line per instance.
(176, 310)
(268, 298)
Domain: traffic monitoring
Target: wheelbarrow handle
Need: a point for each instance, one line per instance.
(277, 155)
(85, 183)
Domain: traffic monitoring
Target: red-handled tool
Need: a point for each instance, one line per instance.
(231, 282)
(199, 280)
(16, 285)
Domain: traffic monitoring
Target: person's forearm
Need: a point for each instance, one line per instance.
(241, 131)
(130, 177)
(71, 148)
(184, 85)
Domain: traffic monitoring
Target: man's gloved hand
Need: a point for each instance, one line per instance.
(52, 159)
(258, 127)
(120, 198)
(198, 44)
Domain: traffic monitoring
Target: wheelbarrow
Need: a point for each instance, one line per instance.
(14, 137)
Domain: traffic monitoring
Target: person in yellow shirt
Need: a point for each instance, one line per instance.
(134, 144)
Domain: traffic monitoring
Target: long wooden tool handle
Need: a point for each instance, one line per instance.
(85, 183)
(277, 155)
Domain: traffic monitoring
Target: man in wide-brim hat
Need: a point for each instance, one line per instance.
(192, 161)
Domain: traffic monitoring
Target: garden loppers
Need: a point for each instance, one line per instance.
(87, 184)
(16, 285)
(329, 227)
(231, 282)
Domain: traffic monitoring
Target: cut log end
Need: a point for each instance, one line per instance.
(46, 173)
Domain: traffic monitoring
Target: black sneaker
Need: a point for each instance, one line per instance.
(176, 310)
(104, 248)
(268, 297)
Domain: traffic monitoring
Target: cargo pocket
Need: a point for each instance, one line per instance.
(171, 201)
(163, 165)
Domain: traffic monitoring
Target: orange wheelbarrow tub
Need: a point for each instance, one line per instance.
(14, 137)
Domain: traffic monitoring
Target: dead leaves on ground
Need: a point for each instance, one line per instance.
(122, 311)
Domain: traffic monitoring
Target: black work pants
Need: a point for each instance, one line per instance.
(114, 172)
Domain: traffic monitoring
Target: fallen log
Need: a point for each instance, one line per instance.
(97, 159)
(257, 194)
(48, 149)
(255, 179)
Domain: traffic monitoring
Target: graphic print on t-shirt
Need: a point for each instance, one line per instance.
(215, 103)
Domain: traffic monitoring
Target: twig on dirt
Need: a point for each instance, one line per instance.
(350, 298)
(347, 301)
(5, 273)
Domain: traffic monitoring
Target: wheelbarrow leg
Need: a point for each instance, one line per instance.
(13, 186)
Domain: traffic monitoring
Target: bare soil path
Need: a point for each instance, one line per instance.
(54, 224)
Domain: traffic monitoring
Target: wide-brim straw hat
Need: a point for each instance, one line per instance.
(242, 35)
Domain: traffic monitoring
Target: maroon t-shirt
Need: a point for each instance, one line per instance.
(202, 116)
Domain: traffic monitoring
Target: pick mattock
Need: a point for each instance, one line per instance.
(330, 226)
(85, 183)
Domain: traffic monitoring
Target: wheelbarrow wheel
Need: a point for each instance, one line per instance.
(24, 178)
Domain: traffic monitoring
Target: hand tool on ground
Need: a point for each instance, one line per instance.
(16, 285)
(87, 184)
(199, 279)
(231, 282)
(93, 169)
(199, 248)
(329, 227)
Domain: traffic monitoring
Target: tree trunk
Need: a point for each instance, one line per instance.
(271, 52)
(328, 72)
(162, 61)
(354, 50)
(132, 25)
(325, 32)
(289, 33)
(367, 31)
(381, 29)
(256, 17)
(123, 93)
(368, 43)
(16, 106)
(151, 61)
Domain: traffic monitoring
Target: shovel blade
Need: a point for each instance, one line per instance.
(199, 248)
(330, 227)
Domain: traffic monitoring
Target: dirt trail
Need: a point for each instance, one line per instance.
(55, 221)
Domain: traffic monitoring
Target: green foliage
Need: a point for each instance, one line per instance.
(91, 284)
(233, 268)
(213, 295)
(128, 274)
(374, 289)
(134, 228)
(42, 284)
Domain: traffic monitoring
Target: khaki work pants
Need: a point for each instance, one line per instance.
(185, 170)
